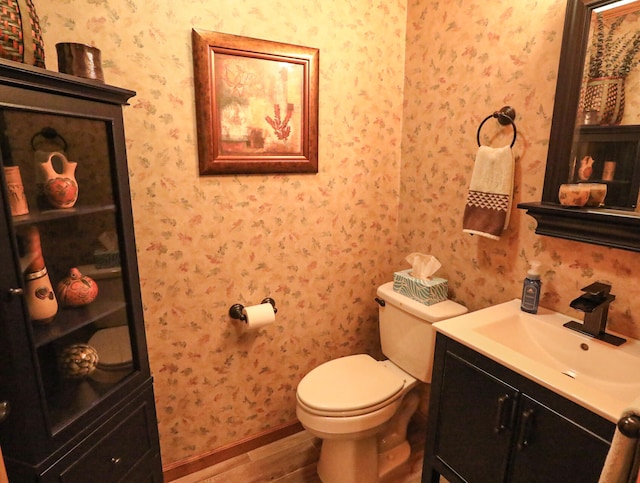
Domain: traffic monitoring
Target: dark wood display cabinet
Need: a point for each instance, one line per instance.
(488, 424)
(76, 394)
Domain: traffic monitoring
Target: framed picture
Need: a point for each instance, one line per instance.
(256, 105)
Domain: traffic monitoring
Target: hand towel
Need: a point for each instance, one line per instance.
(623, 459)
(490, 193)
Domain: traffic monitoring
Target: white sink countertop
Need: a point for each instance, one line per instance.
(594, 374)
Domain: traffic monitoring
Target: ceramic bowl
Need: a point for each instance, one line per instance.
(574, 194)
(597, 194)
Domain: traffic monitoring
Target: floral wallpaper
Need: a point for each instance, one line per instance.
(403, 88)
(319, 244)
(485, 55)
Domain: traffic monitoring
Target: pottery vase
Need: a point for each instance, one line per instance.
(39, 296)
(60, 189)
(15, 188)
(606, 97)
(76, 290)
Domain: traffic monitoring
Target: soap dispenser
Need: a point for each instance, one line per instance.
(531, 289)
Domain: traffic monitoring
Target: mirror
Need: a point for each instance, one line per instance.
(595, 134)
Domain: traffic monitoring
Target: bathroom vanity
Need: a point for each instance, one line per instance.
(489, 424)
(521, 397)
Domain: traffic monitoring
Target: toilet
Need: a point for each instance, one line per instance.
(360, 407)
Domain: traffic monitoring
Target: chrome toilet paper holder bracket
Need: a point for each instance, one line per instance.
(235, 311)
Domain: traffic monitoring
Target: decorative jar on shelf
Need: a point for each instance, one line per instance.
(39, 296)
(76, 290)
(60, 189)
(77, 361)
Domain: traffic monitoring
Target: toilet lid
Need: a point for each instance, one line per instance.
(113, 346)
(348, 383)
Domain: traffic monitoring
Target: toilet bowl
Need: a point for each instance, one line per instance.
(361, 407)
(364, 396)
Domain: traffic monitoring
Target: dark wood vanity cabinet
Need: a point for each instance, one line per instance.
(488, 424)
(76, 393)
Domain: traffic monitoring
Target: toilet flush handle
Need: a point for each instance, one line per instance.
(381, 302)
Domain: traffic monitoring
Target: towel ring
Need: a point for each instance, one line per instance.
(49, 134)
(505, 116)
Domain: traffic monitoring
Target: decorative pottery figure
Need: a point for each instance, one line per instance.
(586, 168)
(17, 198)
(77, 361)
(76, 290)
(39, 296)
(61, 189)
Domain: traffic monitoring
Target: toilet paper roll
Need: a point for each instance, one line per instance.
(259, 315)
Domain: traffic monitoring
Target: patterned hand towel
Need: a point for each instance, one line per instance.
(490, 191)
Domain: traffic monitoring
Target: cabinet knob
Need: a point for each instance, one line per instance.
(14, 292)
(4, 410)
(116, 460)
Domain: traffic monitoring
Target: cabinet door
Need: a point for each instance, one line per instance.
(551, 448)
(80, 343)
(476, 413)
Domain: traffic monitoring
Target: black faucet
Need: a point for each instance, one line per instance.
(594, 302)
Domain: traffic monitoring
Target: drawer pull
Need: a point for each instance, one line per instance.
(526, 429)
(503, 406)
(116, 460)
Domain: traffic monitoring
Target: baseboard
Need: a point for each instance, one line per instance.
(186, 466)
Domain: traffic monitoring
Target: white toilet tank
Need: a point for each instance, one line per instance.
(406, 334)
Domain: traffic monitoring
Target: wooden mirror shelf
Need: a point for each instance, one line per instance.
(616, 224)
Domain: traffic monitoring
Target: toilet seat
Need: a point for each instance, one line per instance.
(115, 359)
(349, 386)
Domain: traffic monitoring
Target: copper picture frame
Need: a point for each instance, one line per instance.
(256, 105)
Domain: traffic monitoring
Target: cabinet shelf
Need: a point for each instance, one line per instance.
(67, 320)
(50, 215)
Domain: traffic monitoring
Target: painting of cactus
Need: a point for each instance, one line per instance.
(256, 105)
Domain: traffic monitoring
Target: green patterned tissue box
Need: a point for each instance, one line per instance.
(427, 292)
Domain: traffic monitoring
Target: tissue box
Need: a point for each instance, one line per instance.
(427, 292)
(106, 258)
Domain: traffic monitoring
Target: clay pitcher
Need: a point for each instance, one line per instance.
(60, 189)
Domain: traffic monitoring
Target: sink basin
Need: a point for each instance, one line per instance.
(599, 376)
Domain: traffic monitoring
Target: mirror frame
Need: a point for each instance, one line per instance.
(600, 226)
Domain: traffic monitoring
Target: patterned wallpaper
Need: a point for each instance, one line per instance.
(485, 55)
(397, 143)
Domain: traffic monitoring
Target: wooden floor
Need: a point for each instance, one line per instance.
(293, 460)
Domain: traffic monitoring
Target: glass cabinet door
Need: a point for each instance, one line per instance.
(59, 181)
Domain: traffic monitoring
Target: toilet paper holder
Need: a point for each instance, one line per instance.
(235, 311)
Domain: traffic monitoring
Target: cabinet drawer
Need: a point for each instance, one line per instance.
(114, 455)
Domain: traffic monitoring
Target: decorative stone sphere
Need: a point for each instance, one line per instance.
(77, 361)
